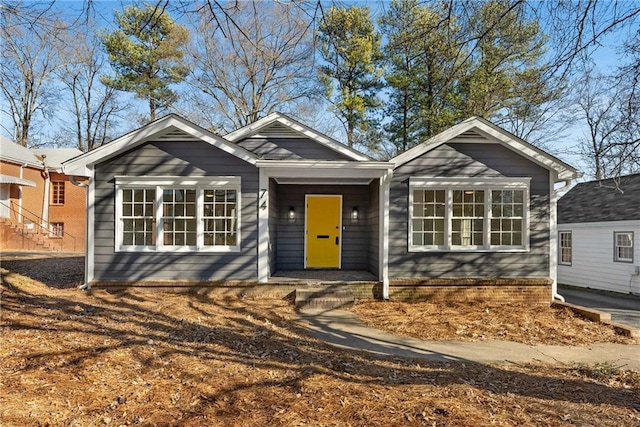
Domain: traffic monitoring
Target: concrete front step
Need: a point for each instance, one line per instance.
(324, 297)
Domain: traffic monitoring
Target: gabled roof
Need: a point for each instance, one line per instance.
(615, 199)
(562, 170)
(279, 118)
(56, 156)
(16, 153)
(167, 124)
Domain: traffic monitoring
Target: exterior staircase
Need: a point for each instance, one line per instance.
(327, 297)
(20, 236)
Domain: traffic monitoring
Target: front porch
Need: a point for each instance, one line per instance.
(323, 277)
(359, 232)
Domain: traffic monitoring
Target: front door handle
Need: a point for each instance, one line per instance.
(337, 240)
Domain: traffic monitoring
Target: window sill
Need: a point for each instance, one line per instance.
(171, 250)
(469, 250)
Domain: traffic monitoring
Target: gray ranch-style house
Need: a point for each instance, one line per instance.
(469, 213)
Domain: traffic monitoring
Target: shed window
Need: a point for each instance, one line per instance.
(566, 247)
(623, 246)
(183, 214)
(469, 215)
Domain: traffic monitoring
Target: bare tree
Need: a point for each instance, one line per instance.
(577, 27)
(93, 105)
(29, 60)
(606, 105)
(253, 60)
(599, 109)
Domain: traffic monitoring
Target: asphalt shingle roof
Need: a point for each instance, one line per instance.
(616, 199)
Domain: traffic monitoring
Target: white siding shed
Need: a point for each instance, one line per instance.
(593, 263)
(599, 235)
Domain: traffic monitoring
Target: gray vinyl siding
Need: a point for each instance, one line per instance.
(290, 234)
(174, 158)
(460, 159)
(266, 149)
(374, 227)
(273, 225)
(278, 148)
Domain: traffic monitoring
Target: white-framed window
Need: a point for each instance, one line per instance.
(565, 240)
(466, 214)
(177, 214)
(623, 246)
(57, 229)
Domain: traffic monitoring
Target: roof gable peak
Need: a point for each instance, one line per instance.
(299, 128)
(496, 134)
(155, 129)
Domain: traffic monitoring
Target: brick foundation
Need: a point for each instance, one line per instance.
(481, 290)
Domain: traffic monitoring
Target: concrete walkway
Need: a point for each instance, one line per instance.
(343, 329)
(624, 308)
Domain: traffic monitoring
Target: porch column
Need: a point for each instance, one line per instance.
(383, 255)
(263, 227)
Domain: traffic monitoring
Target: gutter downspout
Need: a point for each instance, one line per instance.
(554, 239)
(86, 285)
(24, 165)
(45, 197)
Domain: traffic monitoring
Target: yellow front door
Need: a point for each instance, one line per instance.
(323, 231)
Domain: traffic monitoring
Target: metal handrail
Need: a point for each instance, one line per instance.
(38, 223)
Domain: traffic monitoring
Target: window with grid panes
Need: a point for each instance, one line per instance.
(138, 217)
(219, 217)
(193, 213)
(179, 217)
(57, 196)
(507, 217)
(467, 215)
(566, 247)
(467, 219)
(57, 229)
(428, 217)
(623, 245)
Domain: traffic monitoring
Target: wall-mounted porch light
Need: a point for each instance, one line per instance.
(354, 213)
(292, 213)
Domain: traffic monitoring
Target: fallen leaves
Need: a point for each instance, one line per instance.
(476, 322)
(142, 358)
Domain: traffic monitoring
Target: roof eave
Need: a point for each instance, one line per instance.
(79, 165)
(335, 164)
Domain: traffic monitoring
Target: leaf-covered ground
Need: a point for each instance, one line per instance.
(475, 322)
(141, 358)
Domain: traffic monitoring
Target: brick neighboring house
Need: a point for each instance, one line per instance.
(40, 208)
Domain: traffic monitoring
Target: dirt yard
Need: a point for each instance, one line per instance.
(74, 358)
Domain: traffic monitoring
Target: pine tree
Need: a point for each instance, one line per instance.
(350, 49)
(422, 65)
(146, 52)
